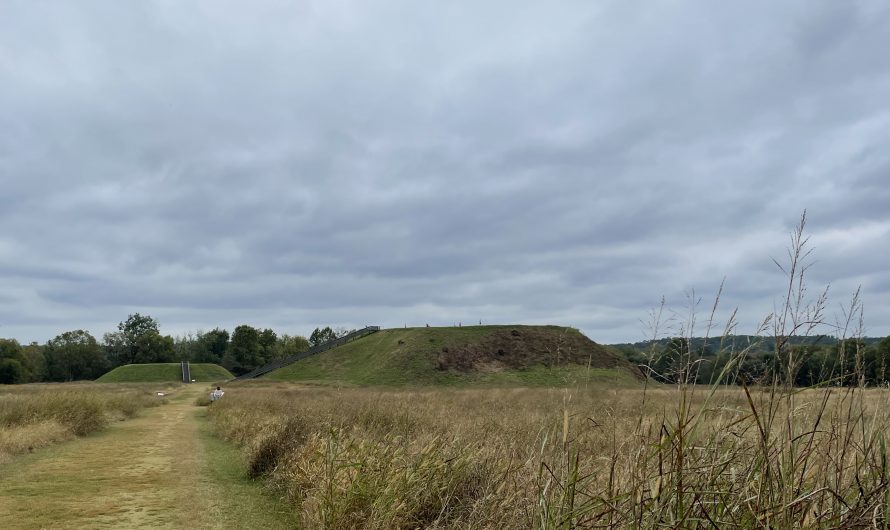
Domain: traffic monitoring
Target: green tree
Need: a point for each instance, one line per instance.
(680, 359)
(13, 360)
(155, 348)
(74, 355)
(34, 362)
(291, 345)
(11, 371)
(245, 351)
(138, 340)
(720, 372)
(211, 347)
(666, 360)
(10, 349)
(877, 363)
(321, 335)
(138, 325)
(849, 354)
(268, 346)
(884, 346)
(185, 348)
(117, 352)
(812, 358)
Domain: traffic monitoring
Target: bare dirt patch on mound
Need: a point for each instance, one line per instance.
(523, 347)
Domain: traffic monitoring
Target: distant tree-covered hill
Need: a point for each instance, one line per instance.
(755, 343)
(814, 360)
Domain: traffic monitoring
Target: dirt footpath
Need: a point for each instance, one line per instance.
(161, 470)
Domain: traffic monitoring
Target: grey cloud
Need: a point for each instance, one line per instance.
(294, 164)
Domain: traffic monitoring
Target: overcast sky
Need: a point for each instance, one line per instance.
(295, 164)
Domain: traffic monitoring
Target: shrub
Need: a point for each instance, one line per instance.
(10, 372)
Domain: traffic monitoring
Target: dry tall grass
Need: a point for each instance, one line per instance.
(34, 416)
(533, 458)
(684, 456)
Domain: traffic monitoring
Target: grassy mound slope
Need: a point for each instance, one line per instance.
(497, 355)
(163, 372)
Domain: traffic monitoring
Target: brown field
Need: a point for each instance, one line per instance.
(35, 416)
(565, 458)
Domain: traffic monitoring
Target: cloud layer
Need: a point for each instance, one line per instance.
(293, 164)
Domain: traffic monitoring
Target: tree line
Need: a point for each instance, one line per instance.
(830, 361)
(77, 355)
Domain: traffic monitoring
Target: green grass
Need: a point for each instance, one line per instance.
(250, 505)
(414, 356)
(164, 372)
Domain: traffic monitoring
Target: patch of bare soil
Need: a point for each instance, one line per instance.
(515, 349)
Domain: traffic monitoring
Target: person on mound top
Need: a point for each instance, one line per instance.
(216, 394)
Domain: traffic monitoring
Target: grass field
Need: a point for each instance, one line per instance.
(460, 356)
(35, 416)
(608, 456)
(165, 372)
(163, 469)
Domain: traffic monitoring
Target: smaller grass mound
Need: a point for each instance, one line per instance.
(164, 372)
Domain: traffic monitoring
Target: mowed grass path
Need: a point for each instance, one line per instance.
(161, 470)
